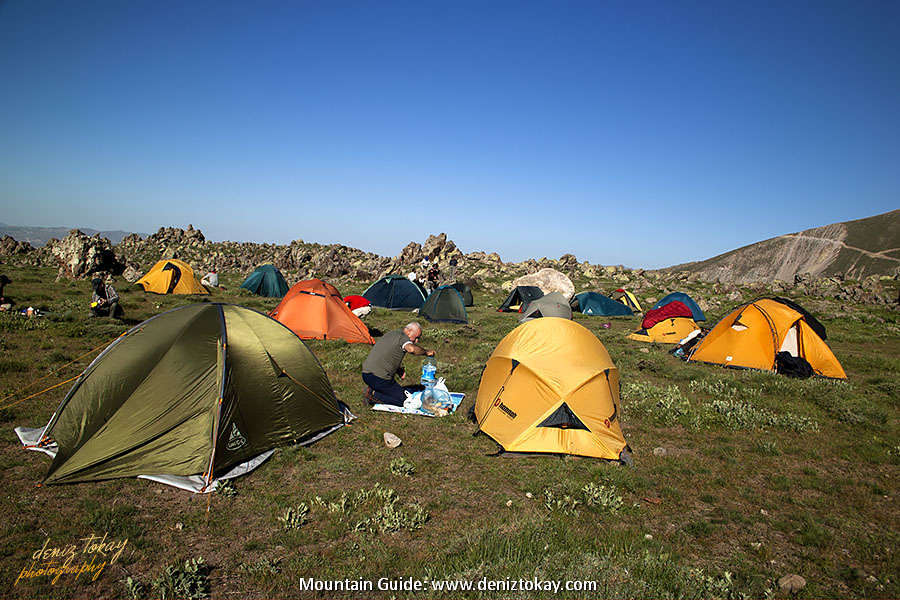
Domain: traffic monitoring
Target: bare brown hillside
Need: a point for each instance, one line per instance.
(853, 249)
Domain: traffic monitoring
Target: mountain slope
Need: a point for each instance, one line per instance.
(852, 249)
(38, 236)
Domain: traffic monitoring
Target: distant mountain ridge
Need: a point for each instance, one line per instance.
(38, 236)
(853, 249)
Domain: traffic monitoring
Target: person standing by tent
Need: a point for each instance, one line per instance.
(385, 360)
(432, 277)
(453, 264)
(105, 299)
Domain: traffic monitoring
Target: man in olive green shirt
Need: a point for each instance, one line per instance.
(385, 360)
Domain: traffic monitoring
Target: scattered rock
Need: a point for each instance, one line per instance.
(529, 495)
(791, 583)
(648, 536)
(645, 350)
(659, 451)
(179, 526)
(391, 440)
(509, 503)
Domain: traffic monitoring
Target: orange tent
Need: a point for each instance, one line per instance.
(315, 310)
(754, 333)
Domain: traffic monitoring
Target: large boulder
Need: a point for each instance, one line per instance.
(79, 255)
(549, 280)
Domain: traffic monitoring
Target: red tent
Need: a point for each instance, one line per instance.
(667, 311)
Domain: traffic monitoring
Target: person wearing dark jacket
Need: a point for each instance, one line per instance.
(104, 300)
(385, 361)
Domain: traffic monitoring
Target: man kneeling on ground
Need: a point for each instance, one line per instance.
(385, 361)
(105, 300)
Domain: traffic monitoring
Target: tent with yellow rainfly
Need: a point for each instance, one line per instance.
(550, 387)
(667, 331)
(171, 276)
(668, 324)
(760, 334)
(627, 298)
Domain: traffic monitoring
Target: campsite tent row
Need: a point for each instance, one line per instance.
(205, 392)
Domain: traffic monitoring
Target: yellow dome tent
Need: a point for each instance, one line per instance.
(667, 331)
(171, 276)
(550, 386)
(754, 333)
(627, 298)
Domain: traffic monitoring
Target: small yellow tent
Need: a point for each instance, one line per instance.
(171, 276)
(667, 331)
(550, 386)
(754, 333)
(628, 299)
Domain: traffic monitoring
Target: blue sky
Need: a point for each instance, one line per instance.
(642, 133)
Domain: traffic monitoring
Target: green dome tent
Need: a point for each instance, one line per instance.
(464, 291)
(395, 292)
(445, 304)
(193, 395)
(266, 280)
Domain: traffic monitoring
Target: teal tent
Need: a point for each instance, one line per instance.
(445, 304)
(266, 280)
(592, 303)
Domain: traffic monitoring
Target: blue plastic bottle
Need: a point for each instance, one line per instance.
(428, 379)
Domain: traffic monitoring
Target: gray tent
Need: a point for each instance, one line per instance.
(553, 304)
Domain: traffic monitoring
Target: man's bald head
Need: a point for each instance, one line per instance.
(413, 331)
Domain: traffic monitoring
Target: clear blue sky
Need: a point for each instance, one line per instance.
(643, 133)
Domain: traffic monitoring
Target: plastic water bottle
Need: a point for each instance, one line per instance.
(428, 380)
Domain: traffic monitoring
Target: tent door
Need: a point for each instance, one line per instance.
(790, 342)
(174, 277)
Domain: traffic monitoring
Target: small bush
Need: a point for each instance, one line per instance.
(189, 579)
(226, 488)
(134, 588)
(559, 502)
(294, 517)
(402, 467)
(602, 496)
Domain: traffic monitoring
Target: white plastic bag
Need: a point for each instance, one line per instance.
(413, 401)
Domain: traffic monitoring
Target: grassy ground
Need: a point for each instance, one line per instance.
(762, 476)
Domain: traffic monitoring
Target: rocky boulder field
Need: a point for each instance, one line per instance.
(745, 484)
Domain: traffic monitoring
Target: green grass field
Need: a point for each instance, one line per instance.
(762, 475)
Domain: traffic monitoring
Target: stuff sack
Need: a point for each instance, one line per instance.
(793, 366)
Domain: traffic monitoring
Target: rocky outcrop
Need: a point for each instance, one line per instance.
(78, 255)
(10, 247)
(549, 280)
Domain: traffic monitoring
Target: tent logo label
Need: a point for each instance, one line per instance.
(507, 410)
(236, 439)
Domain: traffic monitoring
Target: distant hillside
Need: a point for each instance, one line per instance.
(854, 249)
(38, 236)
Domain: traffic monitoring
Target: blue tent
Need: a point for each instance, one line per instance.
(592, 303)
(396, 292)
(266, 280)
(687, 300)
